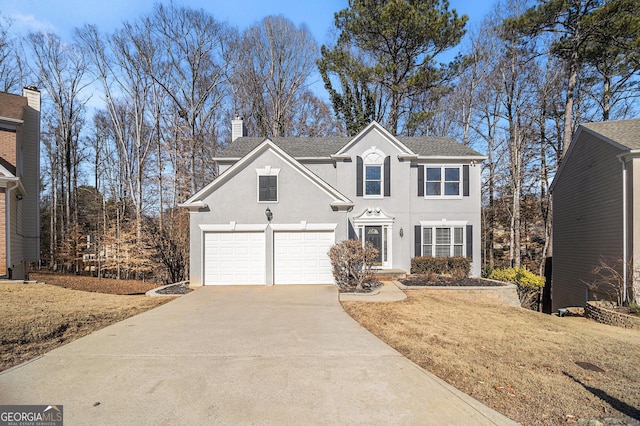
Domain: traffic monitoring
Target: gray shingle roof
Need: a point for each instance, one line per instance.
(624, 132)
(438, 146)
(324, 147)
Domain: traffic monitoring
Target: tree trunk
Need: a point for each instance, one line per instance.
(568, 105)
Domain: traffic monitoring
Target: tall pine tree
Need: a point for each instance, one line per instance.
(384, 56)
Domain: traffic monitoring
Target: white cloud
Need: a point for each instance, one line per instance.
(28, 23)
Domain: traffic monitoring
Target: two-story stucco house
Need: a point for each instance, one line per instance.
(278, 205)
(19, 182)
(596, 211)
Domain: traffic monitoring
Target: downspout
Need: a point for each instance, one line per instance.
(624, 227)
(8, 227)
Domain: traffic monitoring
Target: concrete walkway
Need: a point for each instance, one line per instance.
(240, 355)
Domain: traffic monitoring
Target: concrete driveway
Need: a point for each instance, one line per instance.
(240, 355)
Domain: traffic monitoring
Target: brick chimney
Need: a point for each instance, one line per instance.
(237, 128)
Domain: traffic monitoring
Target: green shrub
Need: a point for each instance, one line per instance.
(486, 271)
(455, 266)
(521, 277)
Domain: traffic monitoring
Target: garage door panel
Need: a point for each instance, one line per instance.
(301, 257)
(234, 258)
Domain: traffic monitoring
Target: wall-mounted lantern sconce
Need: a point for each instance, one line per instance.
(19, 197)
(269, 214)
(401, 232)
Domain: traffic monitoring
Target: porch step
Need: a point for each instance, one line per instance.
(395, 274)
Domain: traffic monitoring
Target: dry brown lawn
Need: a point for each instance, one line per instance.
(102, 285)
(521, 363)
(36, 318)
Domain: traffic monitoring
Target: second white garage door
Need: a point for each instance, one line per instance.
(300, 257)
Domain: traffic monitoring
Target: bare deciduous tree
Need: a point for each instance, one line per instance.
(10, 71)
(274, 62)
(60, 69)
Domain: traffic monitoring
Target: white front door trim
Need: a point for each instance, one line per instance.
(375, 216)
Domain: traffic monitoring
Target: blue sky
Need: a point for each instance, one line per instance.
(62, 16)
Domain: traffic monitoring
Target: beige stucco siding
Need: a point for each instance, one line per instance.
(587, 223)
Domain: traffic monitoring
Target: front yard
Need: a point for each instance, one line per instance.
(524, 364)
(534, 368)
(36, 318)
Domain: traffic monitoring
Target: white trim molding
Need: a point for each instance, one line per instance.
(304, 226)
(233, 227)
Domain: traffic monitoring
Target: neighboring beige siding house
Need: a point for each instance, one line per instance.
(596, 210)
(19, 182)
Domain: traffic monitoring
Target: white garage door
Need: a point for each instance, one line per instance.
(234, 258)
(301, 257)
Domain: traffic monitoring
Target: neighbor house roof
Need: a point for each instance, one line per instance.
(12, 106)
(325, 147)
(622, 132)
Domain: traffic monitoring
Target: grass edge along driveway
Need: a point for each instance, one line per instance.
(519, 362)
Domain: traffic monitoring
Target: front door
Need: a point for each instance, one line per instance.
(373, 235)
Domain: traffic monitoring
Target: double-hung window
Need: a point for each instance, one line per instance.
(373, 180)
(443, 241)
(442, 181)
(373, 174)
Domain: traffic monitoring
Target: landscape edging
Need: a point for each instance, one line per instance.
(154, 291)
(506, 294)
(597, 311)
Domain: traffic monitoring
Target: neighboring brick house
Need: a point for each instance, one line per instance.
(19, 182)
(596, 211)
(279, 204)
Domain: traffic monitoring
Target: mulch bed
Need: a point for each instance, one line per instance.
(176, 289)
(366, 288)
(425, 280)
(92, 284)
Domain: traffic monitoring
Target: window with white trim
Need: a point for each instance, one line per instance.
(373, 174)
(268, 188)
(443, 181)
(443, 241)
(372, 179)
(268, 184)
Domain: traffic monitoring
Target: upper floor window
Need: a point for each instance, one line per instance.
(267, 184)
(373, 180)
(268, 188)
(373, 174)
(443, 181)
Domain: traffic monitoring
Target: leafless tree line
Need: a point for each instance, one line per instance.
(133, 120)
